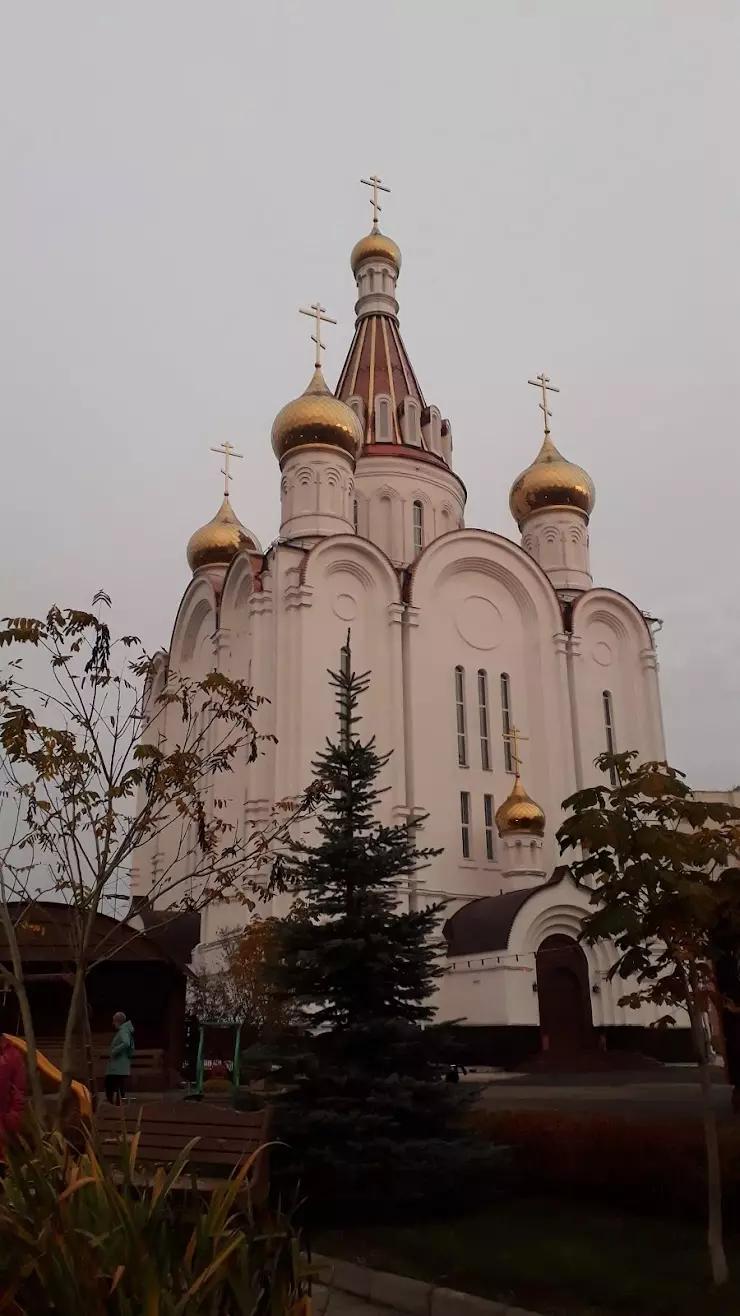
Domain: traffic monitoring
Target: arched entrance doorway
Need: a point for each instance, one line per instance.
(566, 1022)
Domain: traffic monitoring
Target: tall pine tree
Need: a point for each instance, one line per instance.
(365, 1109)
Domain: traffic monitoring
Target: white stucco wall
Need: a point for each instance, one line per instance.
(471, 599)
(497, 988)
(557, 538)
(386, 488)
(611, 649)
(347, 585)
(316, 488)
(480, 602)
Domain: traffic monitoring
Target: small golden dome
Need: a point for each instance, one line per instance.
(376, 245)
(519, 813)
(216, 543)
(551, 481)
(316, 417)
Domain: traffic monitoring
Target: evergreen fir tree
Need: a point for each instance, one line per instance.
(365, 1107)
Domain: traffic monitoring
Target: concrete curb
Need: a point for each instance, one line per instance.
(412, 1296)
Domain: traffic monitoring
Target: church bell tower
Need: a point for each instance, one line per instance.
(406, 492)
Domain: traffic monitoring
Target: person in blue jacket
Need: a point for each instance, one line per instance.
(119, 1059)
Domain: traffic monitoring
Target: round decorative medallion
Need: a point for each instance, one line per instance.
(478, 621)
(602, 654)
(345, 607)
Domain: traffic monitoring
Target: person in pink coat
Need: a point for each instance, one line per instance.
(12, 1092)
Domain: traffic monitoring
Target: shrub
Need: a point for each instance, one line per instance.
(660, 1167)
(78, 1235)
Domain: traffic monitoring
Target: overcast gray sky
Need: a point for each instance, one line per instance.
(178, 176)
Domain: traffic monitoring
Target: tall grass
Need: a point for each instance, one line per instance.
(84, 1236)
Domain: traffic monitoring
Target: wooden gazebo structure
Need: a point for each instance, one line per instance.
(130, 972)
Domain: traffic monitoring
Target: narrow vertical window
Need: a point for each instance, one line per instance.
(462, 735)
(488, 821)
(382, 420)
(611, 743)
(344, 709)
(418, 528)
(506, 721)
(355, 515)
(485, 735)
(465, 823)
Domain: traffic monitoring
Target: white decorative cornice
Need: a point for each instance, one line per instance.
(298, 596)
(260, 603)
(257, 811)
(488, 962)
(222, 640)
(649, 660)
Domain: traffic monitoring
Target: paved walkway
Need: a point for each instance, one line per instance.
(672, 1094)
(334, 1303)
(359, 1291)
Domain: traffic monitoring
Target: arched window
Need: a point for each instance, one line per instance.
(431, 429)
(506, 721)
(462, 734)
(446, 441)
(611, 740)
(485, 733)
(488, 822)
(410, 416)
(465, 823)
(345, 712)
(383, 420)
(355, 514)
(381, 523)
(418, 528)
(358, 406)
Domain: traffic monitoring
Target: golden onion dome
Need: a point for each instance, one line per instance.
(519, 813)
(378, 247)
(216, 543)
(551, 481)
(316, 417)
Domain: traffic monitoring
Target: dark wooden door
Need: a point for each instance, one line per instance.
(566, 1023)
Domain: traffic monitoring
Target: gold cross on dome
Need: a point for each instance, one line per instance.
(226, 451)
(374, 182)
(513, 738)
(317, 313)
(543, 382)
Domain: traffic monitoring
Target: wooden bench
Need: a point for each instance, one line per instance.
(226, 1138)
(148, 1069)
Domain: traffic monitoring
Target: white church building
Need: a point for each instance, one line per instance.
(499, 670)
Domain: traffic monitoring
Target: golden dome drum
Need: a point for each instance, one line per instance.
(551, 481)
(376, 246)
(519, 813)
(216, 543)
(316, 417)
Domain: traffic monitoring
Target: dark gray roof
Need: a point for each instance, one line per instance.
(485, 925)
(48, 932)
(177, 932)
